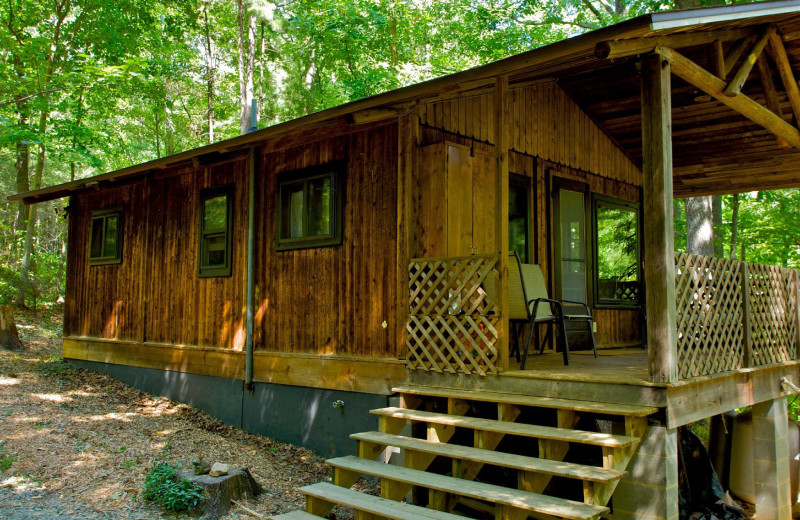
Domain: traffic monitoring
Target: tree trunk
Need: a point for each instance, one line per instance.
(9, 338)
(699, 228)
(246, 39)
(78, 119)
(25, 283)
(734, 224)
(716, 226)
(210, 73)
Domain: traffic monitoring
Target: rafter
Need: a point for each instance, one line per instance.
(736, 52)
(621, 48)
(715, 87)
(735, 85)
(770, 94)
(785, 69)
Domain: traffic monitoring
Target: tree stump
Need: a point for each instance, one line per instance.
(9, 338)
(237, 484)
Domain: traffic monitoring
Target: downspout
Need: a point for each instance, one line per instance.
(251, 220)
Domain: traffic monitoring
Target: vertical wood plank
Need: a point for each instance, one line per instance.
(659, 264)
(747, 319)
(501, 118)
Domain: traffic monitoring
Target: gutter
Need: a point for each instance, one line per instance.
(675, 19)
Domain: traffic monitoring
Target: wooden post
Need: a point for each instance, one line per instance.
(659, 249)
(771, 460)
(796, 276)
(501, 121)
(407, 146)
(747, 323)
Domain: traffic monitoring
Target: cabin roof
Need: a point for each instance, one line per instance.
(716, 149)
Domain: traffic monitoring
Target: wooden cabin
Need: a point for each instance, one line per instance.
(290, 280)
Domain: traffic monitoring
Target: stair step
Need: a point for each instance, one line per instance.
(529, 400)
(511, 428)
(523, 500)
(508, 460)
(296, 515)
(371, 504)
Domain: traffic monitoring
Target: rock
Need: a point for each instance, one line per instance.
(237, 485)
(201, 467)
(218, 469)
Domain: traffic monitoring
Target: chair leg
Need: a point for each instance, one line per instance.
(591, 335)
(564, 342)
(520, 328)
(531, 330)
(547, 337)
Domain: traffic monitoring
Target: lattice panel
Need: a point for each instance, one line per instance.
(452, 323)
(453, 344)
(773, 313)
(709, 315)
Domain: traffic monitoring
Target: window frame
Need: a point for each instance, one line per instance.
(558, 184)
(333, 170)
(609, 303)
(105, 214)
(213, 271)
(524, 182)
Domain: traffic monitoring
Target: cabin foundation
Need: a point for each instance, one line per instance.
(650, 491)
(771, 460)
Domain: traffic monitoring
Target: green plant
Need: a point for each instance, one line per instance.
(6, 459)
(166, 488)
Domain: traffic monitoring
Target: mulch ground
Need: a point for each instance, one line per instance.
(76, 444)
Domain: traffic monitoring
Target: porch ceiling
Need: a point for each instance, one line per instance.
(715, 148)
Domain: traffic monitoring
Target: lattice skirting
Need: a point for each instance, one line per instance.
(453, 344)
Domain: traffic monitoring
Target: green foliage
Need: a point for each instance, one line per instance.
(166, 488)
(6, 459)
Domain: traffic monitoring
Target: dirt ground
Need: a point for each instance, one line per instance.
(79, 444)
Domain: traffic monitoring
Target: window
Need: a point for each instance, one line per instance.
(616, 265)
(570, 238)
(310, 207)
(105, 240)
(519, 216)
(216, 224)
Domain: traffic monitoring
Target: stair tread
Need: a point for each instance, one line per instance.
(375, 505)
(509, 460)
(511, 428)
(524, 500)
(530, 400)
(296, 515)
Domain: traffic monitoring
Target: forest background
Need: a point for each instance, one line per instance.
(90, 86)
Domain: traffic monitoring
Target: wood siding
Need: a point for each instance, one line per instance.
(324, 300)
(334, 300)
(550, 138)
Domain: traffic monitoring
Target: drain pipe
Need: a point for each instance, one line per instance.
(251, 220)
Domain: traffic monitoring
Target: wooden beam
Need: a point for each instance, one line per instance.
(712, 85)
(736, 52)
(501, 140)
(407, 147)
(770, 94)
(718, 59)
(785, 70)
(621, 48)
(735, 85)
(659, 265)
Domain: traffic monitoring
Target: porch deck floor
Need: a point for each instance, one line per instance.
(621, 367)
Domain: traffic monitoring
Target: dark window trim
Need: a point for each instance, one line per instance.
(206, 271)
(613, 303)
(523, 181)
(336, 171)
(104, 214)
(561, 183)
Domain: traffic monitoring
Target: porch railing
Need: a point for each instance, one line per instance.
(452, 324)
(733, 314)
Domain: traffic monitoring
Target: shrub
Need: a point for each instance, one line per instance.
(6, 459)
(171, 491)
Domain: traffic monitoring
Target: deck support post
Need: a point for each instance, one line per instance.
(650, 491)
(771, 460)
(501, 131)
(659, 262)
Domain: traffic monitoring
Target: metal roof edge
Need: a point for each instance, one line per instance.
(676, 19)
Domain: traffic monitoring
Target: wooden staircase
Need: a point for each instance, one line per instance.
(485, 455)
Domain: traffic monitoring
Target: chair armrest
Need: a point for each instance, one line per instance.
(580, 304)
(536, 302)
